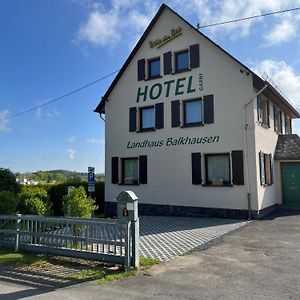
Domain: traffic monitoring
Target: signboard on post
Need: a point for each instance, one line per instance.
(91, 179)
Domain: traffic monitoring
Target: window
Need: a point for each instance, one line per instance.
(147, 118)
(133, 170)
(263, 110)
(217, 169)
(195, 112)
(182, 61)
(192, 112)
(266, 168)
(130, 171)
(154, 68)
(287, 124)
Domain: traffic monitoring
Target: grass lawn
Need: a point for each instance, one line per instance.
(78, 269)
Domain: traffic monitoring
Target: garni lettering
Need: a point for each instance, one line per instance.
(166, 38)
(179, 87)
(173, 142)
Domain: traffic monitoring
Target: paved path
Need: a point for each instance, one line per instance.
(168, 237)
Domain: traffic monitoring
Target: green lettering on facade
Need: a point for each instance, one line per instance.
(142, 94)
(158, 87)
(168, 85)
(179, 86)
(189, 88)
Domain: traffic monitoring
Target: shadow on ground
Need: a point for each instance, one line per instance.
(282, 212)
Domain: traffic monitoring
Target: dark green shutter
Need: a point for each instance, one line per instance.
(141, 69)
(159, 115)
(271, 168)
(237, 167)
(175, 113)
(259, 109)
(196, 168)
(167, 63)
(194, 56)
(132, 119)
(275, 118)
(208, 109)
(143, 169)
(114, 170)
(268, 113)
(262, 168)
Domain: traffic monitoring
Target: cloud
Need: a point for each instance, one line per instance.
(40, 113)
(72, 139)
(95, 141)
(287, 80)
(209, 12)
(71, 153)
(121, 21)
(282, 32)
(4, 123)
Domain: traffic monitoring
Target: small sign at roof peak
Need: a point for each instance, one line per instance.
(174, 32)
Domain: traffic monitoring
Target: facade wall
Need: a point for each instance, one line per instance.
(169, 167)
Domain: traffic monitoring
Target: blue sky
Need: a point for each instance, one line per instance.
(51, 47)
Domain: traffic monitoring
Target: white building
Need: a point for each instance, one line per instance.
(190, 129)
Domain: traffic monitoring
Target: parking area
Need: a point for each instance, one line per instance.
(168, 237)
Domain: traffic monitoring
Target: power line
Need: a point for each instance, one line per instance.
(58, 98)
(108, 75)
(249, 18)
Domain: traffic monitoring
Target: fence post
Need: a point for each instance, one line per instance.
(127, 246)
(135, 243)
(18, 221)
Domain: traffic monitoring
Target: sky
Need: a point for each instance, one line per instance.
(51, 47)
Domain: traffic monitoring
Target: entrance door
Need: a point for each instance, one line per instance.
(290, 173)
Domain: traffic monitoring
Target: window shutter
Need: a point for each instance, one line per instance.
(262, 168)
(271, 169)
(237, 167)
(132, 119)
(159, 115)
(175, 110)
(275, 117)
(143, 169)
(114, 170)
(194, 56)
(259, 109)
(268, 113)
(196, 168)
(141, 69)
(167, 63)
(208, 109)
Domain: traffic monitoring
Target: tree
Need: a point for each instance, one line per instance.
(8, 203)
(8, 181)
(34, 200)
(77, 204)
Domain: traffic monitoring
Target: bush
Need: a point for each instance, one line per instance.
(8, 203)
(8, 181)
(77, 204)
(34, 201)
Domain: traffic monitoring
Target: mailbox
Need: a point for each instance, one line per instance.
(127, 206)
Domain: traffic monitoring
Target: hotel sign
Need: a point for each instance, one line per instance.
(166, 38)
(183, 140)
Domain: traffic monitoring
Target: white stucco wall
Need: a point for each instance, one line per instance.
(169, 168)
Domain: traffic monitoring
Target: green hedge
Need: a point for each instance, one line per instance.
(57, 191)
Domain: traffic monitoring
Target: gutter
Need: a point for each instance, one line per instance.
(246, 149)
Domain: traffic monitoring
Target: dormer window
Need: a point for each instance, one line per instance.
(154, 68)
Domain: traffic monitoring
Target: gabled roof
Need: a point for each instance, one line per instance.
(258, 82)
(288, 147)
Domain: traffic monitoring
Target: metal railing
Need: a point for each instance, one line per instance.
(105, 240)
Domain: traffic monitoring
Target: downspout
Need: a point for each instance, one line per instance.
(246, 149)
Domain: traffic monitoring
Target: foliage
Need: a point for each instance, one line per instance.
(57, 176)
(8, 203)
(77, 204)
(8, 181)
(34, 200)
